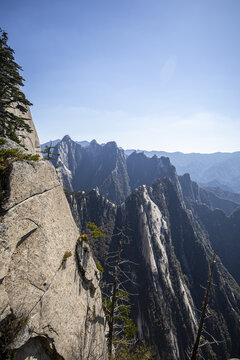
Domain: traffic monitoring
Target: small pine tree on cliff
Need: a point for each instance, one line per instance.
(11, 97)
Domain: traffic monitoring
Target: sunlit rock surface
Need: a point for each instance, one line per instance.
(50, 300)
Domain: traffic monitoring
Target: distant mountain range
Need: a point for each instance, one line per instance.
(116, 175)
(209, 170)
(220, 170)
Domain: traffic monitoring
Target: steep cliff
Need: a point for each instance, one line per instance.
(84, 168)
(173, 268)
(172, 253)
(193, 193)
(50, 300)
(143, 170)
(105, 167)
(91, 206)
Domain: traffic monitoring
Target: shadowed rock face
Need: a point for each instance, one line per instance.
(173, 253)
(84, 168)
(221, 169)
(143, 170)
(193, 193)
(91, 206)
(223, 233)
(105, 167)
(170, 241)
(44, 293)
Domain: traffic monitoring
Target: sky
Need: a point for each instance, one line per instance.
(148, 74)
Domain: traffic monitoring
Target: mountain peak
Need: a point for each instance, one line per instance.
(93, 142)
(66, 138)
(111, 144)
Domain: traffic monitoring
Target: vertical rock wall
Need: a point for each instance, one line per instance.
(50, 300)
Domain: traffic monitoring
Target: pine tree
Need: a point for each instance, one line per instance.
(49, 154)
(11, 97)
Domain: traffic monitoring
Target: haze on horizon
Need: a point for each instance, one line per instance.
(152, 75)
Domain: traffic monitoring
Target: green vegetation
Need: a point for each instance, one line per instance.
(48, 153)
(121, 316)
(83, 238)
(95, 231)
(64, 259)
(8, 156)
(140, 351)
(99, 267)
(11, 97)
(2, 141)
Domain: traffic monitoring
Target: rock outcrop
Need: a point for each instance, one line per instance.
(172, 251)
(85, 168)
(193, 194)
(90, 206)
(29, 140)
(50, 300)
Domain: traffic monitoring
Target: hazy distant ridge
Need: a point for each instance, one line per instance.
(219, 169)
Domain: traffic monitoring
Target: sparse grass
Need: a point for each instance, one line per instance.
(64, 259)
(99, 267)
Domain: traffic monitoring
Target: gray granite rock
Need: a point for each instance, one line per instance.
(58, 309)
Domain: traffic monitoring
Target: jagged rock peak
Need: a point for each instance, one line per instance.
(112, 144)
(193, 193)
(94, 142)
(66, 138)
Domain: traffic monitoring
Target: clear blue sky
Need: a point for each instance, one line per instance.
(149, 74)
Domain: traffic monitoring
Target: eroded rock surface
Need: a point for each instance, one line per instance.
(48, 309)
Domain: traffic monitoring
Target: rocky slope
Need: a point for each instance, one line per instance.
(224, 194)
(193, 193)
(223, 233)
(172, 250)
(91, 206)
(221, 168)
(50, 300)
(105, 167)
(84, 168)
(143, 170)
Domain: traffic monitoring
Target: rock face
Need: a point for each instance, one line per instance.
(221, 168)
(172, 249)
(223, 232)
(30, 140)
(143, 170)
(105, 167)
(224, 194)
(193, 194)
(84, 168)
(50, 300)
(91, 206)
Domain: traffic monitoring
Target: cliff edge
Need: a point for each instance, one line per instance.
(50, 300)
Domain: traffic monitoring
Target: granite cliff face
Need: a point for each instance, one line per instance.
(91, 206)
(84, 168)
(221, 168)
(223, 233)
(173, 251)
(170, 225)
(105, 167)
(143, 170)
(193, 194)
(50, 300)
